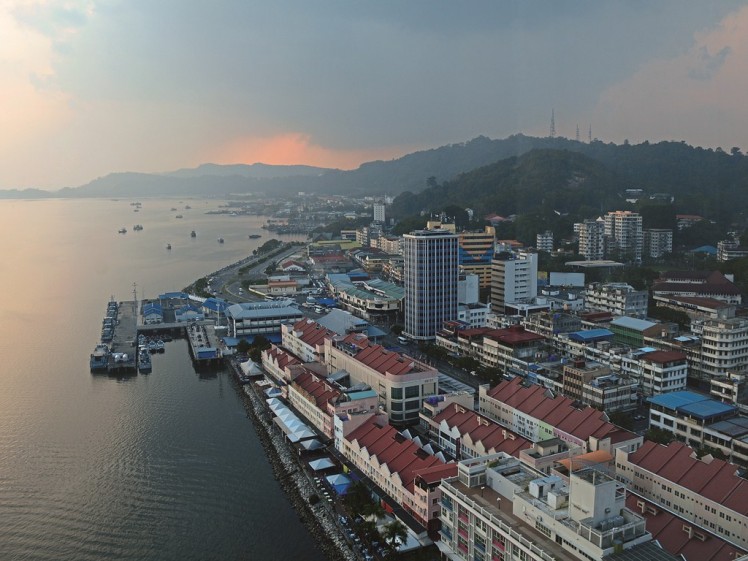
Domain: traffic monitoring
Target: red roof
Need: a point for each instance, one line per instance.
(558, 411)
(667, 529)
(316, 388)
(312, 333)
(513, 335)
(493, 436)
(380, 359)
(716, 480)
(281, 357)
(661, 357)
(402, 455)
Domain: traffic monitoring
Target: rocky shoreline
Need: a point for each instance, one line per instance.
(319, 518)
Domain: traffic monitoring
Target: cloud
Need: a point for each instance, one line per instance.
(697, 95)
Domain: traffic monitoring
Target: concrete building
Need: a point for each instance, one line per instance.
(306, 339)
(727, 250)
(401, 382)
(375, 299)
(514, 278)
(724, 345)
(249, 319)
(596, 385)
(430, 275)
(623, 230)
(592, 240)
(658, 242)
(730, 388)
(656, 371)
(476, 250)
(702, 422)
(544, 241)
(707, 492)
(379, 215)
(497, 509)
(697, 284)
(620, 299)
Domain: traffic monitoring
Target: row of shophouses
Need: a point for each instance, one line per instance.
(527, 473)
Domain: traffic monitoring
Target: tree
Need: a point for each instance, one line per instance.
(397, 329)
(393, 533)
(243, 346)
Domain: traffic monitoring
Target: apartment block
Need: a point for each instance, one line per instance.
(497, 509)
(658, 242)
(514, 278)
(619, 299)
(476, 250)
(623, 229)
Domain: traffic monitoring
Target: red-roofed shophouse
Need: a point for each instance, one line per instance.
(400, 466)
(535, 413)
(706, 492)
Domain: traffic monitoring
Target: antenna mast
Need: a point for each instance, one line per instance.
(553, 124)
(577, 133)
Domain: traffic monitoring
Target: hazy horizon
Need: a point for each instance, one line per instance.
(94, 87)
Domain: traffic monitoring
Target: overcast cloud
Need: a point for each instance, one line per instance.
(91, 87)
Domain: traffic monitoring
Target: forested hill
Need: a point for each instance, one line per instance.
(542, 181)
(710, 183)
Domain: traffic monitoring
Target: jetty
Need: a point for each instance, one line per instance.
(125, 325)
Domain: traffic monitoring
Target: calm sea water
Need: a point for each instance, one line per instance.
(160, 466)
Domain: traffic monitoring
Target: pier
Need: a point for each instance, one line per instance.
(125, 327)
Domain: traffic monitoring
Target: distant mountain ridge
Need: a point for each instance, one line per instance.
(712, 183)
(257, 171)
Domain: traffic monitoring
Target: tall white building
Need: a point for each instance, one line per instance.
(430, 271)
(379, 212)
(514, 278)
(623, 229)
(658, 242)
(592, 240)
(544, 241)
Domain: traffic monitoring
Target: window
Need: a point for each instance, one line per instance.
(412, 391)
(396, 393)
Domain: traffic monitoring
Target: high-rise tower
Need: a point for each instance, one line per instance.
(430, 259)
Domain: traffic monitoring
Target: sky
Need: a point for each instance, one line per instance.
(90, 87)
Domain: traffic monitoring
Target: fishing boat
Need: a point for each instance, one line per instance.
(254, 236)
(193, 234)
(220, 240)
(122, 231)
(168, 246)
(99, 358)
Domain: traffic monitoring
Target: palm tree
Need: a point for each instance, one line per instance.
(393, 533)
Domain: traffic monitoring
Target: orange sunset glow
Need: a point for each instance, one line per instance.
(298, 149)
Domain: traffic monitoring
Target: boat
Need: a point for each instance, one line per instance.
(99, 359)
(254, 236)
(122, 230)
(220, 240)
(168, 246)
(152, 346)
(193, 234)
(179, 216)
(137, 227)
(187, 207)
(144, 360)
(160, 347)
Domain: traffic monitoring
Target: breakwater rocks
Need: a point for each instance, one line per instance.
(319, 518)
